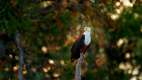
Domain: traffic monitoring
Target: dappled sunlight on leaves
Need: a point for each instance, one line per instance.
(45, 4)
(49, 28)
(128, 3)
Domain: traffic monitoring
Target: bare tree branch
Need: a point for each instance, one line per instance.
(78, 67)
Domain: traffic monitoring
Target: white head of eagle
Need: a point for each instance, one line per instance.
(81, 44)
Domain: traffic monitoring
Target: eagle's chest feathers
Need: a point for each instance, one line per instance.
(87, 38)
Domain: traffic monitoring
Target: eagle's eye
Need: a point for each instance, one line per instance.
(87, 29)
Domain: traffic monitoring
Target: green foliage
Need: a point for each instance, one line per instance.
(38, 76)
(138, 50)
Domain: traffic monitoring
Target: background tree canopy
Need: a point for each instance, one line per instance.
(48, 29)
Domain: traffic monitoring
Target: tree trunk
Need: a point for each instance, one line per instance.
(21, 59)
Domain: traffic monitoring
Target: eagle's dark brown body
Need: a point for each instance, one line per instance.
(78, 47)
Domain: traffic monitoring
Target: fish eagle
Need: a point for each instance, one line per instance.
(81, 45)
